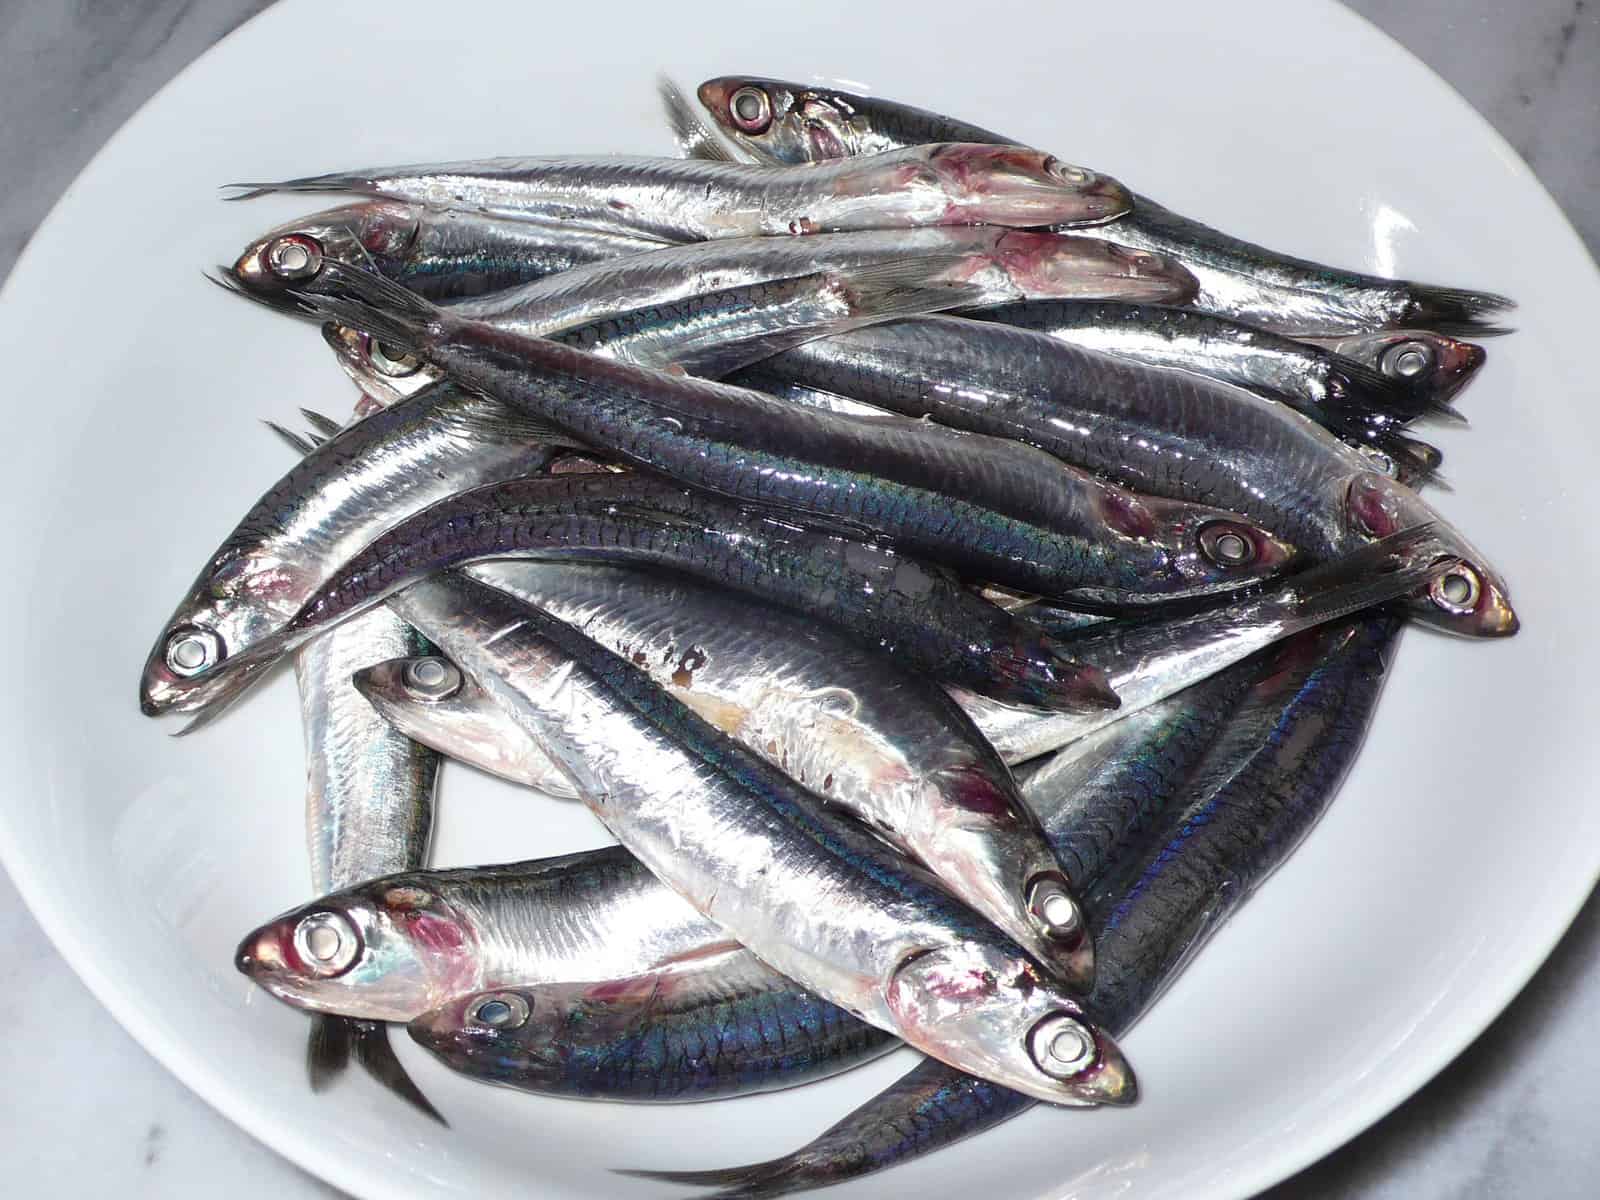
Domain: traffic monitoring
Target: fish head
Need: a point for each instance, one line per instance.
(216, 642)
(990, 849)
(374, 235)
(513, 1034)
(1431, 363)
(1054, 266)
(1013, 185)
(781, 124)
(389, 375)
(1466, 596)
(384, 951)
(1209, 550)
(991, 1012)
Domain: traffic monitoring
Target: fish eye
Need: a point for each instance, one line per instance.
(1456, 589)
(751, 109)
(1053, 907)
(327, 942)
(192, 650)
(1407, 360)
(1066, 172)
(430, 679)
(1224, 545)
(502, 1010)
(294, 256)
(396, 364)
(1060, 1046)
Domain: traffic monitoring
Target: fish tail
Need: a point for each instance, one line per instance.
(298, 443)
(1385, 570)
(320, 422)
(776, 1177)
(336, 182)
(695, 139)
(1418, 461)
(328, 1049)
(1454, 311)
(376, 1055)
(375, 305)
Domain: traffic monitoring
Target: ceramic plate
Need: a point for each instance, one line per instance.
(1462, 845)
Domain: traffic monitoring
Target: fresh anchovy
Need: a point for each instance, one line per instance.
(798, 123)
(450, 712)
(1433, 366)
(734, 1028)
(338, 499)
(882, 743)
(676, 199)
(1311, 709)
(710, 334)
(444, 254)
(887, 600)
(1162, 432)
(369, 812)
(988, 508)
(1337, 393)
(1150, 661)
(810, 892)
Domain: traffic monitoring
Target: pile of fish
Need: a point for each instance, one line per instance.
(954, 580)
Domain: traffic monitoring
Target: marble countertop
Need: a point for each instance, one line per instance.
(1513, 1116)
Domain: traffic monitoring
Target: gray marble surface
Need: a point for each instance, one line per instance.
(1513, 1116)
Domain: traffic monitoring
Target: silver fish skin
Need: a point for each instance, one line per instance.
(1155, 430)
(988, 508)
(444, 254)
(799, 123)
(710, 334)
(733, 1028)
(690, 200)
(334, 502)
(409, 942)
(808, 892)
(1260, 792)
(1149, 661)
(1003, 264)
(884, 744)
(432, 701)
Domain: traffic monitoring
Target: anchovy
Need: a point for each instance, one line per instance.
(797, 123)
(811, 893)
(444, 254)
(1340, 394)
(734, 1028)
(691, 200)
(1433, 366)
(1312, 708)
(989, 508)
(1161, 432)
(877, 741)
(885, 599)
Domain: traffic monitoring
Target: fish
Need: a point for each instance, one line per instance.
(710, 334)
(1311, 705)
(879, 742)
(990, 509)
(677, 199)
(328, 506)
(369, 812)
(1343, 396)
(444, 254)
(810, 892)
(1155, 430)
(433, 702)
(733, 1028)
(791, 123)
(1432, 365)
(886, 599)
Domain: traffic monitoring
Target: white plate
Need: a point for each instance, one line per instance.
(1465, 840)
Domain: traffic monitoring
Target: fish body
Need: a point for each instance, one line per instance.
(1157, 431)
(691, 200)
(798, 123)
(809, 892)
